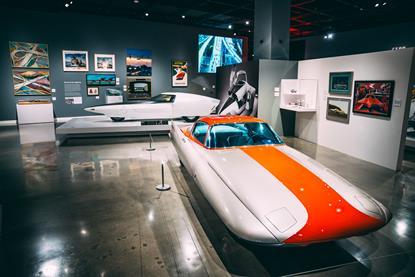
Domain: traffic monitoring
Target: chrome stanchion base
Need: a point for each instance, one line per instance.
(162, 187)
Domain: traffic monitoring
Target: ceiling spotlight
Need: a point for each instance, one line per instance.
(147, 14)
(247, 22)
(136, 1)
(376, 5)
(234, 34)
(71, 2)
(384, 3)
(329, 36)
(183, 16)
(229, 26)
(66, 5)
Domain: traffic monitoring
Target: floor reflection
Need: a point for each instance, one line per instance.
(36, 133)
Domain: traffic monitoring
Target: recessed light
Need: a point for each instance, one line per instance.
(376, 5)
(183, 16)
(71, 2)
(384, 3)
(229, 26)
(249, 31)
(329, 36)
(247, 22)
(147, 14)
(66, 5)
(136, 1)
(234, 34)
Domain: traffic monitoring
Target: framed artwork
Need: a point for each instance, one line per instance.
(104, 63)
(101, 79)
(341, 83)
(76, 61)
(139, 89)
(338, 109)
(31, 82)
(373, 97)
(139, 62)
(92, 91)
(179, 73)
(29, 55)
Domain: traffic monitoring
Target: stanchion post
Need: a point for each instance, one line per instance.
(162, 186)
(151, 144)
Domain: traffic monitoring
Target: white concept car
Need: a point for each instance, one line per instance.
(266, 192)
(168, 105)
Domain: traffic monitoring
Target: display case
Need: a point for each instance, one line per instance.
(34, 111)
(299, 95)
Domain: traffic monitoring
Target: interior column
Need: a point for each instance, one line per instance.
(272, 29)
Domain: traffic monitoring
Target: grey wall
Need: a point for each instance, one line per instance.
(361, 41)
(270, 74)
(104, 35)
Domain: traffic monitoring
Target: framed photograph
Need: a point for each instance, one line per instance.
(101, 79)
(29, 55)
(104, 63)
(373, 97)
(338, 109)
(139, 62)
(31, 82)
(92, 91)
(179, 73)
(75, 61)
(139, 89)
(341, 83)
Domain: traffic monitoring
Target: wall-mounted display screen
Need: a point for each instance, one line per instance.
(217, 51)
(100, 79)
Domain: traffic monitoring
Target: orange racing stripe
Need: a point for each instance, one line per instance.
(329, 215)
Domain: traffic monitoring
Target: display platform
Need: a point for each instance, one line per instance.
(92, 126)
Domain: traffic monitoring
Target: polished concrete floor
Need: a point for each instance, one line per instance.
(90, 208)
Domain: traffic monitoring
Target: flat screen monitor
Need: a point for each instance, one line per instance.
(217, 51)
(101, 79)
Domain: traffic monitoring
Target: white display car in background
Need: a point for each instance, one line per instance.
(168, 105)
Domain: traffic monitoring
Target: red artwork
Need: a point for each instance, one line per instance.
(373, 97)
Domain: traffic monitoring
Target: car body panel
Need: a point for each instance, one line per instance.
(273, 194)
(184, 105)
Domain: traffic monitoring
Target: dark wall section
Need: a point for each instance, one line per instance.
(361, 41)
(102, 35)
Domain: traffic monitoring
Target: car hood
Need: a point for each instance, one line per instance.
(298, 200)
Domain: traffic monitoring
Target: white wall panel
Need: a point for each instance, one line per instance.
(373, 139)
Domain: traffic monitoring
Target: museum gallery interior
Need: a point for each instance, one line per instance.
(207, 138)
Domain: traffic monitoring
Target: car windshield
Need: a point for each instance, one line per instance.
(241, 134)
(163, 98)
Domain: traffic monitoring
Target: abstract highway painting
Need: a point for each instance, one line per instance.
(31, 82)
(29, 55)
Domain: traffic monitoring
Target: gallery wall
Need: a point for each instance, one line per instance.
(271, 72)
(102, 35)
(374, 139)
(359, 41)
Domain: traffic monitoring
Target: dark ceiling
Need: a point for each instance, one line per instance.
(308, 17)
